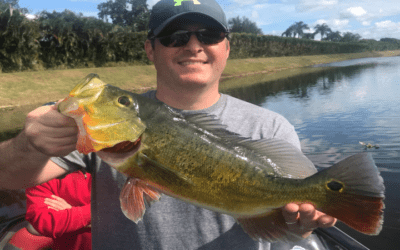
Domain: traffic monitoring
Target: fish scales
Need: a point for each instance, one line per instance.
(194, 158)
(214, 177)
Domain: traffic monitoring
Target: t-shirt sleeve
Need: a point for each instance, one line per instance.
(285, 131)
(75, 161)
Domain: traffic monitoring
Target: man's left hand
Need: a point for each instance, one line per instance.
(302, 219)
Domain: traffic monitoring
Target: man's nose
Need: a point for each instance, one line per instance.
(194, 44)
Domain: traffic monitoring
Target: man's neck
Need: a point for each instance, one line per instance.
(188, 98)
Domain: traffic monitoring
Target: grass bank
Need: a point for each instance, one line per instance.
(22, 92)
(19, 89)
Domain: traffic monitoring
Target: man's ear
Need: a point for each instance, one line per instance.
(149, 50)
(228, 48)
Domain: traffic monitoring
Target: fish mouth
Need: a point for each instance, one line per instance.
(124, 147)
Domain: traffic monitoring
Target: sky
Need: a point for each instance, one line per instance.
(371, 19)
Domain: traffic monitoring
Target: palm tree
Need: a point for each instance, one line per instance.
(289, 31)
(308, 35)
(299, 27)
(323, 29)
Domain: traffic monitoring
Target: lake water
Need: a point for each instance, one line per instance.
(334, 110)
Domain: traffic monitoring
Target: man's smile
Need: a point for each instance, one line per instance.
(190, 63)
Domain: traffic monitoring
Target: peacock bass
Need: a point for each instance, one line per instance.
(195, 159)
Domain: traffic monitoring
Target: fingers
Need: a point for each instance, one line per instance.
(308, 217)
(57, 203)
(325, 221)
(50, 132)
(291, 215)
(303, 219)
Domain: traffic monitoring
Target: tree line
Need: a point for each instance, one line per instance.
(61, 40)
(298, 28)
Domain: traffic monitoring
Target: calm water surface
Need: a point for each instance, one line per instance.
(334, 110)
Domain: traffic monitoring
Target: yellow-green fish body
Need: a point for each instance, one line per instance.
(195, 159)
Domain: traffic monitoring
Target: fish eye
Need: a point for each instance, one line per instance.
(335, 186)
(124, 100)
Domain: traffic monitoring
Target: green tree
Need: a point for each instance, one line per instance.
(70, 39)
(6, 4)
(58, 22)
(243, 25)
(18, 44)
(333, 37)
(289, 31)
(133, 13)
(308, 36)
(322, 29)
(297, 29)
(350, 37)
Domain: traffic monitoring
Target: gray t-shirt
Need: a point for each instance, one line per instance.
(171, 223)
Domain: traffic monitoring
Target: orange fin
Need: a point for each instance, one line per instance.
(134, 197)
(355, 193)
(364, 214)
(270, 227)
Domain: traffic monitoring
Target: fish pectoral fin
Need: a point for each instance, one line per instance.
(270, 227)
(134, 197)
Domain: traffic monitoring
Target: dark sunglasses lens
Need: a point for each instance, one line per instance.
(175, 40)
(210, 37)
(182, 38)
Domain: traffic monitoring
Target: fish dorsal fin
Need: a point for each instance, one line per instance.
(213, 127)
(285, 159)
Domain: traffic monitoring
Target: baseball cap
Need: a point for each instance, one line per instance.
(165, 12)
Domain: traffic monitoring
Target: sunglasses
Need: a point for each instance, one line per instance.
(182, 37)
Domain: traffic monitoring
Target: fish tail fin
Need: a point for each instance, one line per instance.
(134, 197)
(354, 193)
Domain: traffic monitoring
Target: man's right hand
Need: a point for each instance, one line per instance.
(50, 132)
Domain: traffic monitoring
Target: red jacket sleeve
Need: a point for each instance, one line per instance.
(50, 222)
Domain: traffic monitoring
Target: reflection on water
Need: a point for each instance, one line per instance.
(336, 108)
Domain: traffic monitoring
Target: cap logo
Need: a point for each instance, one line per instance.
(179, 2)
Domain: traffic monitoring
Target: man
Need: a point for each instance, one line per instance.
(188, 45)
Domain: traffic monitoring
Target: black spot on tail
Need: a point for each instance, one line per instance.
(335, 186)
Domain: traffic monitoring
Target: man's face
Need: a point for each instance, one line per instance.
(190, 66)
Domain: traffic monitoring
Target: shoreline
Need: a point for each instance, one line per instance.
(22, 92)
(29, 88)
(299, 62)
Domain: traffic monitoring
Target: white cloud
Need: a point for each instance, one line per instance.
(320, 21)
(337, 23)
(387, 25)
(30, 16)
(334, 24)
(248, 2)
(355, 12)
(366, 23)
(254, 15)
(313, 5)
